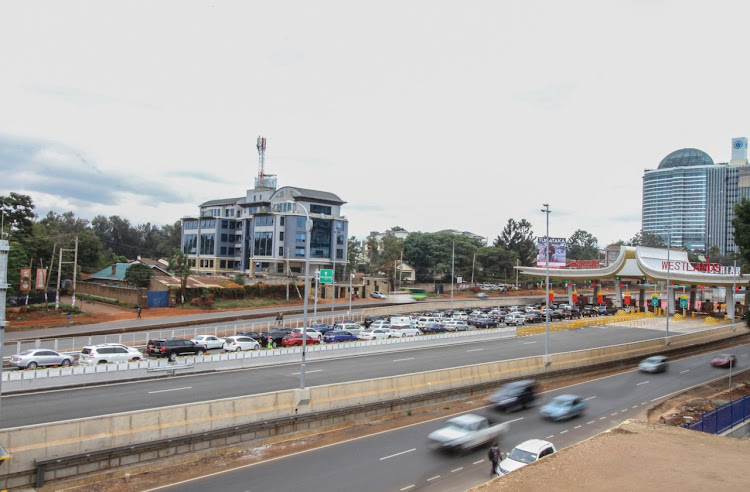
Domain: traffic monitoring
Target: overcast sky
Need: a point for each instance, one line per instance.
(427, 115)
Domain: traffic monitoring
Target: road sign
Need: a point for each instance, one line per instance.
(683, 301)
(654, 299)
(326, 276)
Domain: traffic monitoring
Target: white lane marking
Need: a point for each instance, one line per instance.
(623, 411)
(308, 372)
(400, 360)
(408, 487)
(644, 403)
(173, 389)
(686, 370)
(743, 355)
(477, 462)
(602, 418)
(644, 382)
(634, 406)
(528, 343)
(563, 432)
(589, 423)
(457, 469)
(589, 398)
(474, 350)
(398, 454)
(433, 478)
(550, 437)
(514, 420)
(613, 414)
(577, 426)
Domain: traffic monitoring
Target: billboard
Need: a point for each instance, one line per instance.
(41, 276)
(25, 279)
(557, 248)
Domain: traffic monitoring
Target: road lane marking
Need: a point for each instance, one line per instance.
(644, 403)
(613, 414)
(623, 411)
(550, 437)
(514, 420)
(589, 398)
(433, 478)
(589, 423)
(686, 370)
(457, 469)
(577, 427)
(408, 487)
(528, 343)
(474, 350)
(308, 372)
(400, 360)
(477, 462)
(563, 432)
(173, 389)
(398, 454)
(644, 382)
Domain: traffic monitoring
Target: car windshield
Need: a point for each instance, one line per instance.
(559, 403)
(522, 456)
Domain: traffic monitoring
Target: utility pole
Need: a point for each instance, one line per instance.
(59, 278)
(75, 272)
(472, 268)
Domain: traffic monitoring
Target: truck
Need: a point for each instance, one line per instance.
(466, 432)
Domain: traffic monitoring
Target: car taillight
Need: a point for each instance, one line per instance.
(164, 349)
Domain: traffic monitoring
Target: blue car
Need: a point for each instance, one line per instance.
(323, 328)
(563, 407)
(339, 336)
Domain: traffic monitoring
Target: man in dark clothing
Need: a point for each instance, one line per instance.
(494, 455)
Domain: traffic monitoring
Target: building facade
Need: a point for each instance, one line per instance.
(263, 234)
(689, 199)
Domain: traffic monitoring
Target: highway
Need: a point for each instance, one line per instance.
(65, 404)
(400, 460)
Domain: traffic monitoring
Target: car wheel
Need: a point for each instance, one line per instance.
(65, 363)
(31, 365)
(201, 352)
(102, 362)
(172, 356)
(274, 344)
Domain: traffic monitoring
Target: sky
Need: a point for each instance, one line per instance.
(427, 115)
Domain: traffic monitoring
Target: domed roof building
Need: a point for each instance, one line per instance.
(686, 158)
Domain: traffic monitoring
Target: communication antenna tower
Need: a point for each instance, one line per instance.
(263, 180)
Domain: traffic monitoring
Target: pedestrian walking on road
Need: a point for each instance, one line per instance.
(494, 456)
(69, 319)
(139, 312)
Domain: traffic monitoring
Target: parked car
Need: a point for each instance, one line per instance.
(323, 328)
(655, 363)
(252, 334)
(33, 358)
(516, 395)
(516, 318)
(374, 334)
(171, 348)
(240, 342)
(108, 352)
(208, 342)
(311, 333)
(466, 432)
(724, 360)
(525, 453)
(433, 327)
(535, 317)
(351, 327)
(370, 319)
(486, 323)
(481, 295)
(381, 323)
(404, 331)
(378, 295)
(292, 339)
(275, 336)
(563, 407)
(337, 336)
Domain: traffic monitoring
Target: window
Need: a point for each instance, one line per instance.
(222, 263)
(225, 224)
(299, 252)
(320, 209)
(281, 221)
(301, 222)
(263, 243)
(281, 250)
(230, 251)
(232, 224)
(339, 225)
(339, 254)
(339, 240)
(189, 244)
(207, 244)
(281, 235)
(208, 223)
(223, 238)
(223, 251)
(264, 220)
(300, 237)
(190, 224)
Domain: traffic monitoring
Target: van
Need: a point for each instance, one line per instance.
(423, 320)
(399, 321)
(515, 396)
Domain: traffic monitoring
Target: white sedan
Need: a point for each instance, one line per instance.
(404, 331)
(375, 334)
(208, 342)
(239, 342)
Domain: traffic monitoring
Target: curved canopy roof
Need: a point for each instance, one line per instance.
(686, 158)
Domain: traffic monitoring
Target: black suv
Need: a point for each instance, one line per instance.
(172, 347)
(515, 395)
(275, 336)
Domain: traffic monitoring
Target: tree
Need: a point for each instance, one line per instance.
(179, 264)
(139, 275)
(741, 224)
(648, 239)
(518, 237)
(582, 246)
(18, 214)
(353, 252)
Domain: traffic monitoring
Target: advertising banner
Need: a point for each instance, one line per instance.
(41, 277)
(557, 248)
(25, 279)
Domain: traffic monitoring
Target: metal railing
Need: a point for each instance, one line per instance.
(724, 417)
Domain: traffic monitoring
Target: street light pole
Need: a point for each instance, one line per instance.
(351, 277)
(333, 281)
(669, 267)
(453, 270)
(308, 228)
(734, 286)
(546, 302)
(317, 284)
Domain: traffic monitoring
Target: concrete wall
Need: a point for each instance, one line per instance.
(38, 442)
(124, 294)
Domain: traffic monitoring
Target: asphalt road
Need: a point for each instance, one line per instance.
(400, 460)
(64, 404)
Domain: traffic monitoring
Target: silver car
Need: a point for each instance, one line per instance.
(31, 359)
(655, 363)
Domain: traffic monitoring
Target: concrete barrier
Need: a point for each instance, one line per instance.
(40, 442)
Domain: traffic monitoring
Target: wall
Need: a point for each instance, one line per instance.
(125, 294)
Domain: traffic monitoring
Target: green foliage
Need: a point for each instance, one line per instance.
(518, 237)
(139, 275)
(18, 213)
(582, 246)
(353, 251)
(239, 279)
(179, 264)
(741, 224)
(648, 239)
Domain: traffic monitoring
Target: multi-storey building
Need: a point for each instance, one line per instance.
(690, 198)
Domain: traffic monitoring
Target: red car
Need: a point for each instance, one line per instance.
(296, 339)
(724, 360)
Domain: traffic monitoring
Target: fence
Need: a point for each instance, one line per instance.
(724, 417)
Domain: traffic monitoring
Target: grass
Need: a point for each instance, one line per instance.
(247, 303)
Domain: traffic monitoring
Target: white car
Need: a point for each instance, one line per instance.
(354, 328)
(240, 342)
(311, 333)
(108, 352)
(378, 295)
(380, 323)
(404, 331)
(525, 453)
(515, 318)
(208, 342)
(374, 334)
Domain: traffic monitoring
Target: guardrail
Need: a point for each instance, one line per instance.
(723, 418)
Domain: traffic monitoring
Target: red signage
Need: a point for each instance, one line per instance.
(25, 279)
(684, 266)
(41, 275)
(583, 264)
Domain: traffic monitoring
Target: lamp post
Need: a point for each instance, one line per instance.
(669, 267)
(546, 302)
(308, 228)
(351, 277)
(317, 283)
(453, 270)
(734, 286)
(333, 281)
